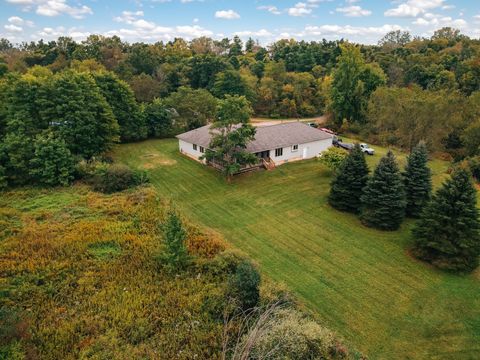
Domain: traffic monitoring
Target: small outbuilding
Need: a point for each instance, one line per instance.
(274, 144)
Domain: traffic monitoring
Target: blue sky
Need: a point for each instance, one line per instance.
(363, 21)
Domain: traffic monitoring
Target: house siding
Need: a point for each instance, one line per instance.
(313, 149)
(187, 149)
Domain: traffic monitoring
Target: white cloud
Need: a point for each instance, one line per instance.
(259, 33)
(413, 8)
(227, 14)
(16, 20)
(300, 9)
(437, 21)
(270, 8)
(354, 11)
(13, 28)
(53, 8)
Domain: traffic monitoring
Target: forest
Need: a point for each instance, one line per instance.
(76, 100)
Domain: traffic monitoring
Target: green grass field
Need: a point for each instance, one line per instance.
(361, 282)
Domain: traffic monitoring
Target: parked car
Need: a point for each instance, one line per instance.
(339, 143)
(367, 149)
(312, 124)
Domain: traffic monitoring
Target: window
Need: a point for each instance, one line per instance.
(195, 147)
(202, 149)
(278, 152)
(295, 148)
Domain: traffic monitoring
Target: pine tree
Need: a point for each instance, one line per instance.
(417, 180)
(175, 255)
(347, 186)
(384, 196)
(448, 232)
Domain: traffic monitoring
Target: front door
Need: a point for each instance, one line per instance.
(305, 152)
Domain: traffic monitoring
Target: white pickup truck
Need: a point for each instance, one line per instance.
(367, 149)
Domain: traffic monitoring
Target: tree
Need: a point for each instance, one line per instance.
(160, 119)
(244, 285)
(417, 180)
(347, 186)
(231, 132)
(145, 87)
(395, 39)
(74, 107)
(230, 82)
(347, 87)
(448, 232)
(195, 108)
(383, 199)
(121, 99)
(52, 163)
(175, 254)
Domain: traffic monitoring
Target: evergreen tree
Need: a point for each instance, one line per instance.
(244, 285)
(175, 255)
(448, 232)
(52, 164)
(347, 186)
(417, 180)
(383, 200)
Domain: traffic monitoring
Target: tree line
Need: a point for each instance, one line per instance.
(81, 98)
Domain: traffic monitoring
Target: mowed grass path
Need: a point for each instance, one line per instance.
(361, 282)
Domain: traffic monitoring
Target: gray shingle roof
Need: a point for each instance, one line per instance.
(266, 138)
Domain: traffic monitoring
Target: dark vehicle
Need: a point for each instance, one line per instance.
(339, 143)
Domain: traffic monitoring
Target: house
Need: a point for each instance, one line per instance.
(274, 144)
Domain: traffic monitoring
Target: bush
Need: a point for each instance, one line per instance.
(281, 333)
(204, 245)
(333, 158)
(117, 177)
(244, 285)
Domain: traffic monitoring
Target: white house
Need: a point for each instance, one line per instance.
(275, 143)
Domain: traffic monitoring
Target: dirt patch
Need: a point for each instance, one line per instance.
(153, 160)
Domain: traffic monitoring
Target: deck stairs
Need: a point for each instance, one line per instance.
(268, 163)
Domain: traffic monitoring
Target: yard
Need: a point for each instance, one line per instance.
(361, 282)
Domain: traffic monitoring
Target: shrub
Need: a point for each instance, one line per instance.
(333, 158)
(244, 285)
(204, 245)
(117, 177)
(281, 333)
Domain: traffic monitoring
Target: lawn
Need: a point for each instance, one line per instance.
(361, 282)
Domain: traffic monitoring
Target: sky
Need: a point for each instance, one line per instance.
(361, 21)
